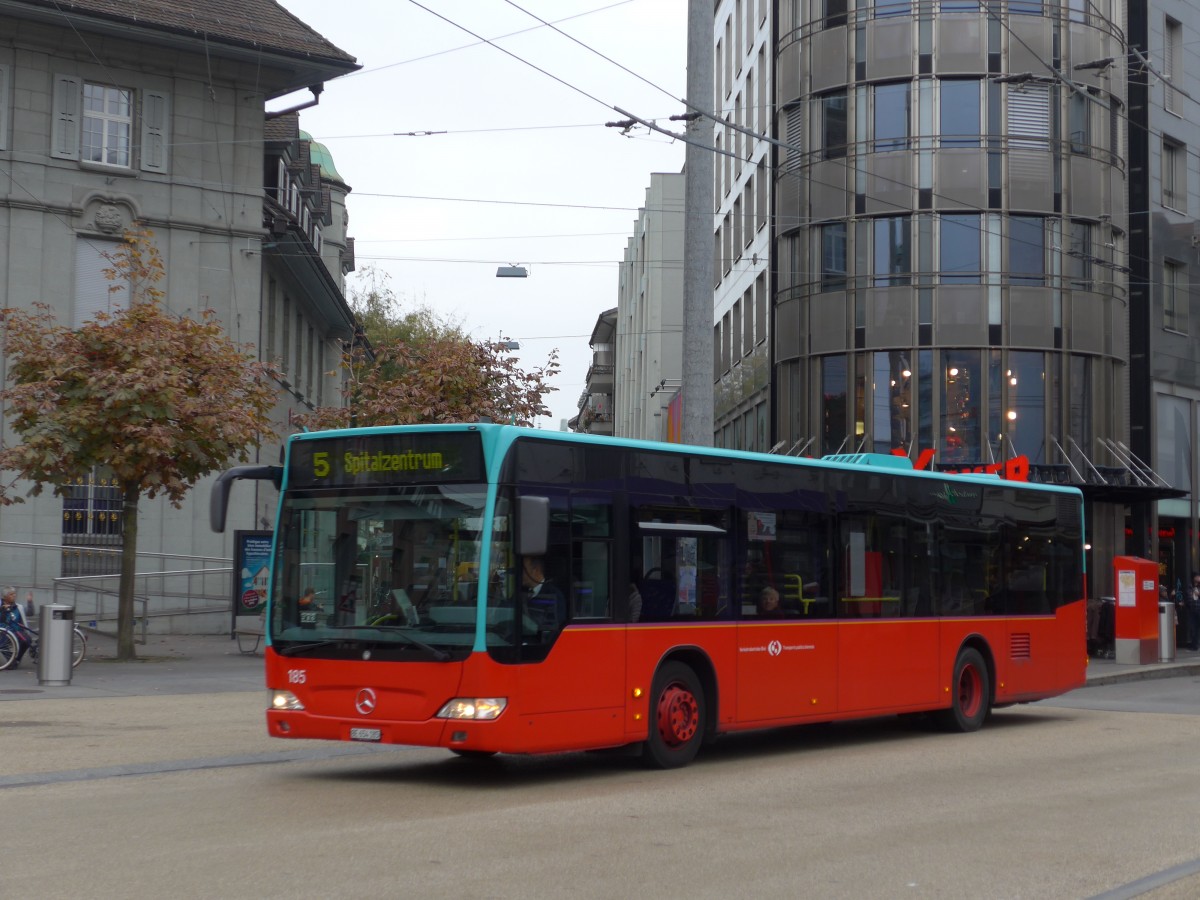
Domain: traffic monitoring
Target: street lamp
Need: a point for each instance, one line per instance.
(512, 272)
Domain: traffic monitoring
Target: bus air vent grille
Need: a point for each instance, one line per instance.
(1020, 646)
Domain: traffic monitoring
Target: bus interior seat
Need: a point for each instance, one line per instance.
(658, 596)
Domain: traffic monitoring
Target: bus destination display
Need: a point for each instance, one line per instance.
(380, 459)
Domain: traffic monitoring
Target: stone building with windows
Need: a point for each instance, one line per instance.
(648, 320)
(1164, 191)
(138, 112)
(742, 69)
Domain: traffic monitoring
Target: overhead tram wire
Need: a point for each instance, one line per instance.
(652, 125)
(679, 137)
(728, 124)
(553, 27)
(405, 62)
(725, 122)
(695, 111)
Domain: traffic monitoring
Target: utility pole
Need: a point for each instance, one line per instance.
(697, 425)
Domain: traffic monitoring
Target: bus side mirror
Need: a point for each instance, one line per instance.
(218, 501)
(533, 526)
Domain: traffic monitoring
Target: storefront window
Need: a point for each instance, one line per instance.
(834, 386)
(1024, 412)
(961, 401)
(1173, 445)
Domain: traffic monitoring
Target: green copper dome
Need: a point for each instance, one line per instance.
(320, 155)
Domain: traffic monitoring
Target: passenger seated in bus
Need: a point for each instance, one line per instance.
(544, 600)
(658, 596)
(768, 604)
(635, 602)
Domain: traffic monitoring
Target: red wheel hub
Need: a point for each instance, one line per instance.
(970, 691)
(678, 715)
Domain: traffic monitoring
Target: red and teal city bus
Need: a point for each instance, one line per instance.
(494, 589)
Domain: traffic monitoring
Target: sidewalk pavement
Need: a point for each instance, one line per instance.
(212, 663)
(1105, 670)
(166, 665)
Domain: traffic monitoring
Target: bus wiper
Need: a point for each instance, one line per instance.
(300, 648)
(402, 630)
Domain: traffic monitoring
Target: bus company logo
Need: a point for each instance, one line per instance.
(776, 648)
(365, 702)
(951, 494)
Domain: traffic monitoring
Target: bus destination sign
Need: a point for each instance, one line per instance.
(386, 459)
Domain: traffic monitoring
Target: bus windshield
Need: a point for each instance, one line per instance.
(392, 573)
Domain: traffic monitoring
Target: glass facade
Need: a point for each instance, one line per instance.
(949, 304)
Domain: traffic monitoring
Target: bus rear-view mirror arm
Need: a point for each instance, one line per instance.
(218, 502)
(533, 526)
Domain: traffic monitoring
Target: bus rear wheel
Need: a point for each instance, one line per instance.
(677, 717)
(970, 693)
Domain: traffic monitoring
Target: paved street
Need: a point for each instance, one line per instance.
(116, 792)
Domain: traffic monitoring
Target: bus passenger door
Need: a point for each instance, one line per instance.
(887, 651)
(571, 678)
(787, 636)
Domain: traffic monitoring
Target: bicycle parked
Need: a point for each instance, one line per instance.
(10, 645)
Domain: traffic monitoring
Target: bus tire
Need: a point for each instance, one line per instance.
(970, 693)
(678, 716)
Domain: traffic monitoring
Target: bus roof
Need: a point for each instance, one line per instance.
(500, 436)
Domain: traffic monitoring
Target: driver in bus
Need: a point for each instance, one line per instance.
(545, 601)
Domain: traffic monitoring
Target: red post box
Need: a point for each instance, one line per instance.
(1136, 625)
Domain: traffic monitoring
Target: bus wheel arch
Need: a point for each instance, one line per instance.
(682, 705)
(971, 688)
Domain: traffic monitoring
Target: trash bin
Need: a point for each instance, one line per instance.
(55, 630)
(1166, 632)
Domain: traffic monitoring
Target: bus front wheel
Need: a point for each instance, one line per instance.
(970, 693)
(677, 717)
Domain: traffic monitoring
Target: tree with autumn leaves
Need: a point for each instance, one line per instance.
(159, 401)
(415, 368)
(156, 399)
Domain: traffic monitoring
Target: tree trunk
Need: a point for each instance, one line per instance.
(125, 611)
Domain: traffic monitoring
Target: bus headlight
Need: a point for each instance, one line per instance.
(473, 708)
(281, 700)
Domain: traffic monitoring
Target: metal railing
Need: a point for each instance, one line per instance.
(204, 587)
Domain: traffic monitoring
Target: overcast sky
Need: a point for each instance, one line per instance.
(526, 173)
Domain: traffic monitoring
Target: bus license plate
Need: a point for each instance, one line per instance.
(365, 734)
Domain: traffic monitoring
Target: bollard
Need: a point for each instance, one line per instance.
(1166, 632)
(55, 629)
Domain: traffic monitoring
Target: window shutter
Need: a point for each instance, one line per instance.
(794, 124)
(64, 136)
(156, 130)
(92, 288)
(4, 86)
(1029, 115)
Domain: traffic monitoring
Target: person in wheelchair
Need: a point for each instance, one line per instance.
(12, 618)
